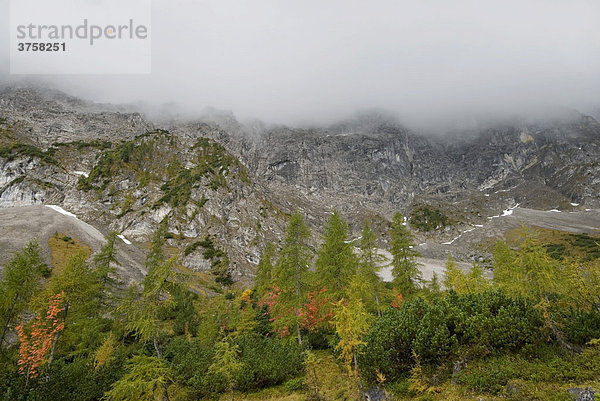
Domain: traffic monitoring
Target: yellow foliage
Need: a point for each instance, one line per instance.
(105, 353)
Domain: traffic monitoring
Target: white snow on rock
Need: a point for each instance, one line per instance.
(61, 210)
(125, 240)
(507, 212)
(554, 210)
(83, 173)
(466, 231)
(574, 204)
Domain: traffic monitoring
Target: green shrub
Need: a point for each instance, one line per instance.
(428, 218)
(13, 151)
(581, 326)
(491, 375)
(267, 361)
(189, 366)
(483, 323)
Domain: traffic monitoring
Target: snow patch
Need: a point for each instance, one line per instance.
(125, 240)
(507, 212)
(554, 210)
(574, 204)
(83, 173)
(460, 235)
(61, 210)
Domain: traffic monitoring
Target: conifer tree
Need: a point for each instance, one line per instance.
(264, 271)
(584, 283)
(369, 263)
(226, 363)
(470, 282)
(290, 274)
(81, 302)
(146, 379)
(454, 277)
(336, 263)
(155, 297)
(531, 273)
(104, 262)
(20, 279)
(433, 286)
(351, 324)
(404, 264)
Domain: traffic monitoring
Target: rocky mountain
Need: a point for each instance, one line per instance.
(227, 187)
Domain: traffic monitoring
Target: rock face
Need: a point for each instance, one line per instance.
(230, 186)
(383, 163)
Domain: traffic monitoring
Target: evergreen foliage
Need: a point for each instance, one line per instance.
(405, 268)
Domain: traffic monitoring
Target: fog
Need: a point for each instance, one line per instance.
(432, 63)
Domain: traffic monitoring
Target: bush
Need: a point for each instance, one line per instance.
(68, 380)
(492, 374)
(483, 323)
(581, 326)
(189, 366)
(267, 361)
(427, 218)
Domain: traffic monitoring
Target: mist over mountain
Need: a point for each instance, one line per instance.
(302, 201)
(436, 66)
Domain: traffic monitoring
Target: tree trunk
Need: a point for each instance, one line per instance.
(565, 347)
(51, 358)
(298, 327)
(8, 317)
(156, 347)
(298, 307)
(377, 300)
(361, 392)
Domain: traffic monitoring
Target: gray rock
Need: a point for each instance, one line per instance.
(376, 394)
(581, 394)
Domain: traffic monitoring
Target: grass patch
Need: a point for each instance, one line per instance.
(62, 248)
(559, 245)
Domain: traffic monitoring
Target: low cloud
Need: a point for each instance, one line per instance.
(433, 63)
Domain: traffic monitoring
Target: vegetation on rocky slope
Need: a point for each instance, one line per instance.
(332, 332)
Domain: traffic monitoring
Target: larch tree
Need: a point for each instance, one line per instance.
(104, 263)
(352, 322)
(155, 297)
(81, 303)
(584, 283)
(226, 363)
(336, 262)
(370, 262)
(146, 379)
(263, 281)
(405, 268)
(530, 273)
(470, 282)
(19, 282)
(290, 275)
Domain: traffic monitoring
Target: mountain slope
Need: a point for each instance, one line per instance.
(230, 186)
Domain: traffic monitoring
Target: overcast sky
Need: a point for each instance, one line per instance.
(299, 61)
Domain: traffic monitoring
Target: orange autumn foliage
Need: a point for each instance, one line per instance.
(35, 346)
(397, 301)
(270, 301)
(317, 312)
